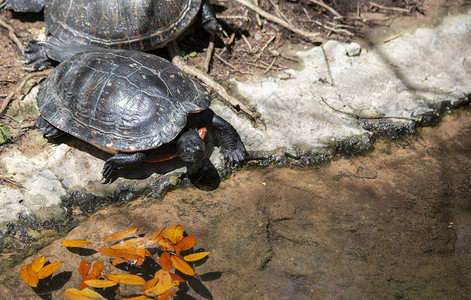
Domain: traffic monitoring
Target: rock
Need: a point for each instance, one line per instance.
(353, 49)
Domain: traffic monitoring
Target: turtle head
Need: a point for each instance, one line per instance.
(190, 146)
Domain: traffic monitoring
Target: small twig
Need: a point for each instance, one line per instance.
(247, 42)
(257, 16)
(229, 64)
(209, 54)
(11, 34)
(264, 47)
(270, 66)
(389, 8)
(245, 18)
(226, 44)
(335, 29)
(313, 36)
(329, 8)
(19, 87)
(279, 12)
(178, 61)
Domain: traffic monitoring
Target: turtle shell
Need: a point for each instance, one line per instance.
(120, 101)
(121, 24)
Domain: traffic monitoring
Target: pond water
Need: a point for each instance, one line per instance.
(391, 224)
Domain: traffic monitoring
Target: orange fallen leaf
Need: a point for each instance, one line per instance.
(166, 245)
(38, 263)
(163, 276)
(97, 268)
(119, 260)
(175, 277)
(167, 295)
(165, 261)
(137, 298)
(156, 236)
(150, 283)
(159, 289)
(99, 283)
(174, 233)
(84, 267)
(29, 276)
(85, 294)
(126, 279)
(182, 266)
(120, 235)
(186, 244)
(75, 243)
(131, 243)
(196, 256)
(48, 270)
(124, 253)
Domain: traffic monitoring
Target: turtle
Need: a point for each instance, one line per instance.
(141, 25)
(135, 105)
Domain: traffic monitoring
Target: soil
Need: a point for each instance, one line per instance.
(392, 224)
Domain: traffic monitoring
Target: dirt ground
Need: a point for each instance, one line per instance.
(392, 224)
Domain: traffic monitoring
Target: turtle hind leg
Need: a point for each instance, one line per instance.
(47, 129)
(209, 21)
(39, 55)
(120, 160)
(24, 5)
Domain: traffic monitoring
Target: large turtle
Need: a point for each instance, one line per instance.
(135, 105)
(120, 24)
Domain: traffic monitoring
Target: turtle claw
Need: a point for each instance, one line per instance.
(35, 56)
(236, 157)
(109, 172)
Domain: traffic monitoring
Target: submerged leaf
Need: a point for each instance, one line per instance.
(97, 268)
(120, 235)
(156, 236)
(126, 279)
(182, 266)
(48, 270)
(159, 289)
(150, 283)
(186, 244)
(167, 295)
(131, 243)
(75, 243)
(175, 277)
(196, 256)
(124, 253)
(29, 276)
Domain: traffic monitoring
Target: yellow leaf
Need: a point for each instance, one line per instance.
(137, 298)
(156, 236)
(126, 279)
(84, 268)
(98, 283)
(131, 243)
(38, 263)
(29, 276)
(85, 294)
(120, 235)
(160, 289)
(182, 266)
(48, 269)
(196, 256)
(166, 295)
(163, 276)
(174, 233)
(165, 261)
(75, 243)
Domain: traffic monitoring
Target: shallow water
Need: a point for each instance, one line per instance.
(392, 224)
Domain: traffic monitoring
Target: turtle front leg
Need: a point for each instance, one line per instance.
(47, 129)
(229, 141)
(120, 160)
(24, 5)
(39, 55)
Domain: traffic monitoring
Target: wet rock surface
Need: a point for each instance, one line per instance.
(394, 223)
(387, 88)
